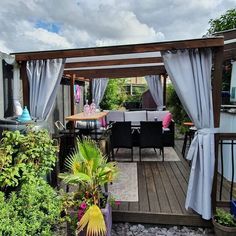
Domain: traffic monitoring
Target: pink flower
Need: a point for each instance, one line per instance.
(81, 211)
(83, 205)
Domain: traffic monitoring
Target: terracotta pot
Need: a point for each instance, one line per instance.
(221, 230)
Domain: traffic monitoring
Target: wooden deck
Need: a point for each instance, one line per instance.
(162, 188)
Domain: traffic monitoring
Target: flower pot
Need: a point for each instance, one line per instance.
(107, 214)
(221, 230)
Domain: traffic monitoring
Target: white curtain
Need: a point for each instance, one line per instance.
(9, 59)
(98, 89)
(190, 72)
(44, 79)
(155, 87)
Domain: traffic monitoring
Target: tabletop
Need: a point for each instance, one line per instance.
(82, 116)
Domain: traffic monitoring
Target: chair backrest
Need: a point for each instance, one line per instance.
(121, 135)
(113, 116)
(135, 116)
(151, 134)
(159, 114)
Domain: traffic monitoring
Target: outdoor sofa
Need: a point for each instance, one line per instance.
(136, 116)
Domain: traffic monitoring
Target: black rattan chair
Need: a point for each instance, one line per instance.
(151, 136)
(121, 136)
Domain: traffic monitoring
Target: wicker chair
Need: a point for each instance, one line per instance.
(151, 136)
(121, 137)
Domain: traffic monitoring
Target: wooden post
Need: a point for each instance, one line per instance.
(216, 96)
(25, 83)
(164, 89)
(72, 95)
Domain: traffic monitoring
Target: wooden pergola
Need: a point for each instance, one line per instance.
(117, 62)
(129, 61)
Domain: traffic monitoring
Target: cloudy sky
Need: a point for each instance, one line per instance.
(27, 25)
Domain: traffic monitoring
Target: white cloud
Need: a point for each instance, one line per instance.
(86, 23)
(44, 37)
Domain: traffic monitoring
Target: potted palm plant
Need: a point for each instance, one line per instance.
(89, 171)
(224, 223)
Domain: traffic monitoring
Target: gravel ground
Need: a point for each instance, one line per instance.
(126, 229)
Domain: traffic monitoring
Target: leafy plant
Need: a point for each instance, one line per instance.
(32, 211)
(115, 94)
(89, 170)
(176, 108)
(224, 218)
(24, 156)
(226, 21)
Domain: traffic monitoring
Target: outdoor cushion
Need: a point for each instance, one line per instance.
(159, 114)
(167, 120)
(135, 116)
(115, 116)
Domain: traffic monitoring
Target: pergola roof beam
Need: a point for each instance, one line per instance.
(120, 49)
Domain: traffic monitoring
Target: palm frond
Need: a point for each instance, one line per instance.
(90, 152)
(93, 219)
(75, 178)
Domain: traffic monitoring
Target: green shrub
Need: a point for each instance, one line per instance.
(25, 156)
(32, 211)
(115, 95)
(174, 105)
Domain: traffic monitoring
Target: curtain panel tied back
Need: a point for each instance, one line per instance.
(190, 72)
(156, 90)
(44, 80)
(98, 89)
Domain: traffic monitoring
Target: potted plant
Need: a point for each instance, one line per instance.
(89, 171)
(224, 223)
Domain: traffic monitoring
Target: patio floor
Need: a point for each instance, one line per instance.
(162, 188)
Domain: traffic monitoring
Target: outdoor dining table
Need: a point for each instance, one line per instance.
(91, 118)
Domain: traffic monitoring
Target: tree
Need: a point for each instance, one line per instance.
(115, 95)
(226, 21)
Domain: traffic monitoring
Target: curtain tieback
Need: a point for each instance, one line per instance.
(194, 143)
(208, 131)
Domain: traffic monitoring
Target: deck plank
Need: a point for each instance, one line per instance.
(161, 193)
(151, 189)
(174, 204)
(143, 196)
(179, 176)
(179, 193)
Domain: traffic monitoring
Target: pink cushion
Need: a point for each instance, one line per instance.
(166, 120)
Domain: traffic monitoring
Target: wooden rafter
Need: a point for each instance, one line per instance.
(119, 72)
(128, 61)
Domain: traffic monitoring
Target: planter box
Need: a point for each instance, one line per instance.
(221, 230)
(107, 214)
